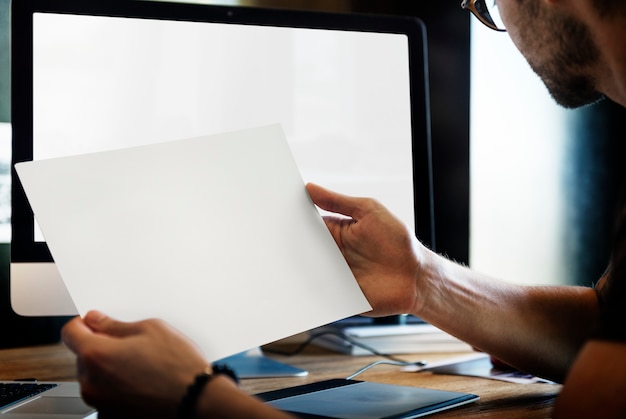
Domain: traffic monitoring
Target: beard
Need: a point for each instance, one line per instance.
(565, 73)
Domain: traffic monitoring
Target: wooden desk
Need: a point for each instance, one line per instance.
(498, 399)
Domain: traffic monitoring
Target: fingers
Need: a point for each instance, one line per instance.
(74, 333)
(95, 325)
(339, 203)
(101, 323)
(79, 332)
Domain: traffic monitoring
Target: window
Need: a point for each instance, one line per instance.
(518, 149)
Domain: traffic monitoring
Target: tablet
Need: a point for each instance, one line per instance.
(353, 399)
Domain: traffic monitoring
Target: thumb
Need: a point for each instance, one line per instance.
(101, 323)
(337, 203)
(75, 333)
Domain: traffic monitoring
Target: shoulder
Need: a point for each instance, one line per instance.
(596, 383)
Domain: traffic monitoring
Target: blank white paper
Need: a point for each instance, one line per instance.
(217, 235)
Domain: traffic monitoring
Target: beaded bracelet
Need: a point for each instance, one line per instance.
(187, 407)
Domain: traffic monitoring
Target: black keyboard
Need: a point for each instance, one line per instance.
(11, 393)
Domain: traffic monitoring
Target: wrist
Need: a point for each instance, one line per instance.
(195, 394)
(426, 270)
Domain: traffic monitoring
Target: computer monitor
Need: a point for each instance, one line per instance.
(350, 91)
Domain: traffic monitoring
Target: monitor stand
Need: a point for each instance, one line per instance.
(253, 364)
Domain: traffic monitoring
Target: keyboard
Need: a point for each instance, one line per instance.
(11, 393)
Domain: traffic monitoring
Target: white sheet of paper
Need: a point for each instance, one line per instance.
(216, 235)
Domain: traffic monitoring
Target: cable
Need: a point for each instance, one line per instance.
(399, 363)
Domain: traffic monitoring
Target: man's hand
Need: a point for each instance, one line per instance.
(143, 369)
(385, 257)
(128, 369)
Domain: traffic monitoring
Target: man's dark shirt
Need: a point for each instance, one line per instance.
(612, 293)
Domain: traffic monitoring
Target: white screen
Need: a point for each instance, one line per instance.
(342, 97)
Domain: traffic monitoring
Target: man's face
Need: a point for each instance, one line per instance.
(558, 48)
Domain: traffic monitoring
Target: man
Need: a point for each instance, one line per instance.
(572, 334)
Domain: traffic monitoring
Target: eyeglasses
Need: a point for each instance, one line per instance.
(486, 11)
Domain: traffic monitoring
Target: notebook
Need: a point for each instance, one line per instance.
(354, 399)
(39, 399)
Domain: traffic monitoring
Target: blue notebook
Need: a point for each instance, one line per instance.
(353, 399)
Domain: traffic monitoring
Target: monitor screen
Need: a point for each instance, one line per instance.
(349, 90)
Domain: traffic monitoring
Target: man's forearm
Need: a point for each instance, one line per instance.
(536, 329)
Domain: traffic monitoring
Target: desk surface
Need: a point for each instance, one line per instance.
(498, 399)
